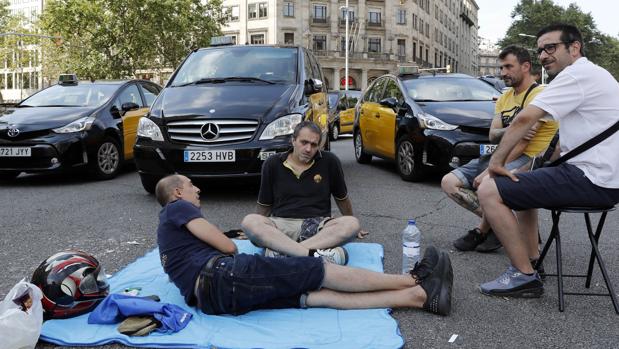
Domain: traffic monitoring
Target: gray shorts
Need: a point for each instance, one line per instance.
(467, 173)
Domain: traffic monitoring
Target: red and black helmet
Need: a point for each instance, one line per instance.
(73, 283)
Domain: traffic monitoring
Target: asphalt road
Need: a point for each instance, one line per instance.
(116, 220)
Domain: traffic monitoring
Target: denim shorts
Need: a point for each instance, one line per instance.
(241, 283)
(552, 187)
(467, 172)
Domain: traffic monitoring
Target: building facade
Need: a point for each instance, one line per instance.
(382, 33)
(489, 59)
(20, 73)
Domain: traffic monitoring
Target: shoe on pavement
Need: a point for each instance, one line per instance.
(337, 255)
(491, 243)
(438, 286)
(470, 241)
(426, 265)
(514, 283)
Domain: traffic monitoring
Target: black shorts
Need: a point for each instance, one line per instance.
(548, 187)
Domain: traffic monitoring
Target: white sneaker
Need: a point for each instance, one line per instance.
(336, 255)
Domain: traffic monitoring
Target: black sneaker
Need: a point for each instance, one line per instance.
(468, 242)
(438, 287)
(427, 264)
(491, 243)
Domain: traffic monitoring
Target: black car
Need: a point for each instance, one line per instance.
(226, 109)
(424, 121)
(74, 124)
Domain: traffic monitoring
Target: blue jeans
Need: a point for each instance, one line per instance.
(241, 283)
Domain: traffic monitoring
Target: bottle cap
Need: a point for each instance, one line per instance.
(411, 221)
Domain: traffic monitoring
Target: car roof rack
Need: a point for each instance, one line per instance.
(67, 79)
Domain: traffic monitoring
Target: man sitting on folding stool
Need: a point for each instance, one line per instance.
(583, 97)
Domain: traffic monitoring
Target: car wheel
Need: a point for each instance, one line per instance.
(408, 161)
(360, 154)
(107, 159)
(335, 132)
(149, 182)
(8, 175)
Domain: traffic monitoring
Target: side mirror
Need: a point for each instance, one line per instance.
(312, 86)
(129, 106)
(389, 102)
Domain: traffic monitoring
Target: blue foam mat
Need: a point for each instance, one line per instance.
(282, 328)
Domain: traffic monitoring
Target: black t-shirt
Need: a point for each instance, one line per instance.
(306, 196)
(182, 254)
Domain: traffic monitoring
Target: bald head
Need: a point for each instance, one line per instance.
(164, 191)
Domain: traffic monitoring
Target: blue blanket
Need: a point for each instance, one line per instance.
(282, 328)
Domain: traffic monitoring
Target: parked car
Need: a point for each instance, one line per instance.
(333, 99)
(226, 109)
(74, 124)
(424, 121)
(346, 111)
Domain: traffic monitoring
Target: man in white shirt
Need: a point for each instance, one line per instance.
(584, 98)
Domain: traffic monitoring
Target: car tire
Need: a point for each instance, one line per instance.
(8, 175)
(360, 154)
(107, 159)
(408, 160)
(334, 132)
(149, 182)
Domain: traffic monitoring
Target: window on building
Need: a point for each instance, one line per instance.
(263, 10)
(427, 30)
(401, 47)
(289, 38)
(288, 9)
(401, 16)
(421, 27)
(252, 11)
(319, 43)
(351, 14)
(233, 13)
(351, 44)
(415, 22)
(257, 39)
(374, 17)
(414, 50)
(320, 13)
(374, 45)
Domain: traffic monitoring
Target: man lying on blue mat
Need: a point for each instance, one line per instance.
(203, 263)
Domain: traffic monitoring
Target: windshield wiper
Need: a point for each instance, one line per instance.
(25, 106)
(427, 100)
(203, 81)
(248, 79)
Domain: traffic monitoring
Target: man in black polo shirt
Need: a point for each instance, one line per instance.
(296, 191)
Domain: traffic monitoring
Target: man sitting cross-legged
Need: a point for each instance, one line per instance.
(294, 204)
(204, 264)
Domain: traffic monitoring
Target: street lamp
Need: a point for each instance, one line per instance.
(543, 70)
(346, 48)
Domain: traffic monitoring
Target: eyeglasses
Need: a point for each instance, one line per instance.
(550, 48)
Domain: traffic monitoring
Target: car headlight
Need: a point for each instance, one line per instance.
(281, 127)
(148, 129)
(432, 122)
(83, 124)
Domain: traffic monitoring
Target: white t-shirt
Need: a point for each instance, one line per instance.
(584, 98)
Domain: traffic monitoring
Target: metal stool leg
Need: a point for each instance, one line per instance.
(553, 233)
(598, 232)
(609, 285)
(559, 266)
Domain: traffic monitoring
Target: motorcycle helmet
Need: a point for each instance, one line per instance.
(73, 283)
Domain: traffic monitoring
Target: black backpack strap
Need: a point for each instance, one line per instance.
(526, 95)
(588, 144)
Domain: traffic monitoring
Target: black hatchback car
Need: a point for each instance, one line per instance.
(74, 124)
(424, 121)
(226, 109)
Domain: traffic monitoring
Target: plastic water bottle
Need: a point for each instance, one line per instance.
(411, 244)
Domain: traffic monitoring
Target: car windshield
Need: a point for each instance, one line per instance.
(333, 98)
(253, 64)
(446, 89)
(82, 95)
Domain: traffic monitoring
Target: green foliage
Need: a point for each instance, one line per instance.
(114, 39)
(529, 16)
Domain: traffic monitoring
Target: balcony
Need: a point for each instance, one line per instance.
(320, 21)
(342, 21)
(374, 24)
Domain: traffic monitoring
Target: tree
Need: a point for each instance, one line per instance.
(113, 39)
(531, 15)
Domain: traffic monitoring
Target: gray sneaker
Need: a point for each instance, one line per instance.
(513, 283)
(336, 255)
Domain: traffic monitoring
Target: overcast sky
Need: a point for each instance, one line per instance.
(494, 15)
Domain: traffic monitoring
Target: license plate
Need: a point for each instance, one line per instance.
(15, 152)
(265, 155)
(486, 149)
(209, 156)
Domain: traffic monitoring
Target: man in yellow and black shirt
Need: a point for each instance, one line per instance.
(460, 184)
(294, 204)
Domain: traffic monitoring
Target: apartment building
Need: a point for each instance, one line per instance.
(382, 33)
(489, 58)
(20, 74)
